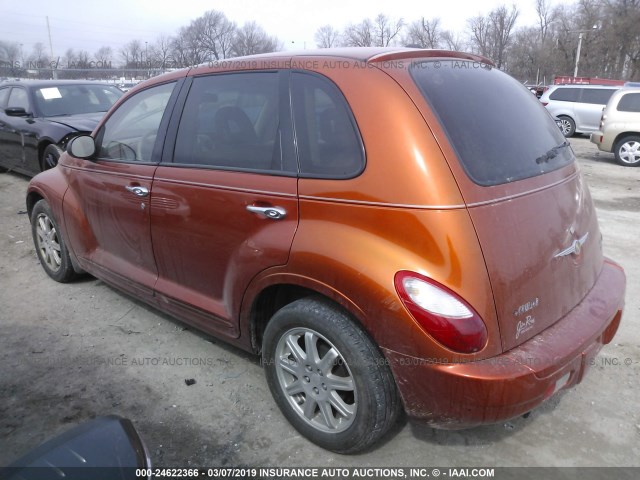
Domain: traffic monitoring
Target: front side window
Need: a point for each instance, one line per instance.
(18, 99)
(565, 95)
(328, 141)
(130, 133)
(4, 94)
(500, 132)
(629, 103)
(596, 96)
(232, 122)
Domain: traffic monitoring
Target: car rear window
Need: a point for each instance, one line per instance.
(597, 96)
(500, 132)
(629, 103)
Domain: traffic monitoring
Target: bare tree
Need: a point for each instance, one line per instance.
(452, 41)
(103, 55)
(38, 56)
(215, 34)
(424, 34)
(502, 23)
(545, 17)
(10, 58)
(180, 49)
(327, 37)
(160, 51)
(360, 35)
(131, 53)
(251, 39)
(386, 30)
(491, 34)
(480, 34)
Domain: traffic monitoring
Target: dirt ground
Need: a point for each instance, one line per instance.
(71, 352)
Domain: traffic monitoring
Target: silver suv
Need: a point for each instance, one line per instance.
(620, 127)
(577, 108)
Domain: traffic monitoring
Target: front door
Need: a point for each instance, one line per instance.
(114, 191)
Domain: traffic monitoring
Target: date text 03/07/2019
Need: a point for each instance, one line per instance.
(315, 472)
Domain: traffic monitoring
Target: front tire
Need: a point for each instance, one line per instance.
(627, 151)
(328, 378)
(50, 247)
(50, 156)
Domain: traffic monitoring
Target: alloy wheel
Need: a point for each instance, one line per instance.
(316, 380)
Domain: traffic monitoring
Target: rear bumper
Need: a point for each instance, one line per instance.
(598, 138)
(463, 395)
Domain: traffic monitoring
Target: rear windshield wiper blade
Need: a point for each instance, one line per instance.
(551, 154)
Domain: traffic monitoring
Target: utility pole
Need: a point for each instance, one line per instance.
(581, 32)
(575, 70)
(53, 70)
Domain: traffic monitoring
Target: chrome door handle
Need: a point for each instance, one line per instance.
(275, 213)
(137, 190)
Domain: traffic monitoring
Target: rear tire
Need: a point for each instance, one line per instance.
(327, 377)
(50, 247)
(567, 126)
(627, 151)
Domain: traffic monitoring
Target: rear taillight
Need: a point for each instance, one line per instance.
(444, 315)
(602, 117)
(545, 103)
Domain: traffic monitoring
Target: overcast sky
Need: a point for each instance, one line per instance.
(89, 25)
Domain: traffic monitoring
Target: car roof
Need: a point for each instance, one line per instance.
(51, 83)
(371, 54)
(577, 85)
(361, 54)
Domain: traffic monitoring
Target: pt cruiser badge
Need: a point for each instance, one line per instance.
(575, 248)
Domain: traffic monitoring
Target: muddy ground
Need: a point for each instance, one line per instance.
(71, 352)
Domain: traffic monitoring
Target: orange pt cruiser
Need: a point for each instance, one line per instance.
(389, 228)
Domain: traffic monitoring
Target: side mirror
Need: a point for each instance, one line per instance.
(16, 112)
(82, 146)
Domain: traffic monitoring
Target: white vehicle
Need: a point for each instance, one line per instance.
(577, 108)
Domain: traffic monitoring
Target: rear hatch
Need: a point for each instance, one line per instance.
(531, 209)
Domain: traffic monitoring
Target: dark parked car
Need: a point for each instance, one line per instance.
(38, 118)
(388, 228)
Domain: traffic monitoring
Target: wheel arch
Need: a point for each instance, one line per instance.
(622, 135)
(45, 141)
(33, 197)
(47, 191)
(275, 292)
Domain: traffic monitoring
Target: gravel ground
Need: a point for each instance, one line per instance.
(71, 352)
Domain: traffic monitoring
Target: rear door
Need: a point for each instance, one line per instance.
(589, 109)
(225, 203)
(532, 212)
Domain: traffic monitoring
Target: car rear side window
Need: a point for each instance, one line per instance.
(629, 103)
(129, 135)
(500, 132)
(565, 95)
(328, 141)
(597, 96)
(232, 121)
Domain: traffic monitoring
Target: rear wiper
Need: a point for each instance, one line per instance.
(551, 154)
